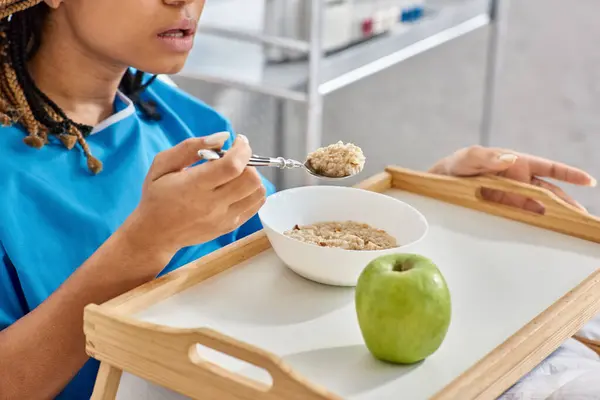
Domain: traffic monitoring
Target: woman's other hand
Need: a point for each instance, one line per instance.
(184, 206)
(477, 160)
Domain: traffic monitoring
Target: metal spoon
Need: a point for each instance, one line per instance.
(275, 162)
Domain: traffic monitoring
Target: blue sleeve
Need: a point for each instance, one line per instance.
(11, 304)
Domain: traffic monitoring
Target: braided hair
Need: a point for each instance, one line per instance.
(22, 102)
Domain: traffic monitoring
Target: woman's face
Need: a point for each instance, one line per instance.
(154, 36)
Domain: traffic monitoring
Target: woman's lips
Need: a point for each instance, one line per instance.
(177, 40)
(179, 37)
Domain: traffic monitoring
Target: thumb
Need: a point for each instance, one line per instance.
(478, 160)
(497, 161)
(184, 154)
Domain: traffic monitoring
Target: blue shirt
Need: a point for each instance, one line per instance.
(54, 214)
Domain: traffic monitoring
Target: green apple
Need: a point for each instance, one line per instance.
(403, 307)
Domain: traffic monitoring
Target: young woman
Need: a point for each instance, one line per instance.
(99, 187)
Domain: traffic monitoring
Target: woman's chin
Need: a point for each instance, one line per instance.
(170, 66)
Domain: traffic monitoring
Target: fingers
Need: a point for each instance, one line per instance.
(219, 172)
(184, 154)
(559, 171)
(476, 160)
(513, 200)
(481, 160)
(251, 211)
(557, 191)
(248, 206)
(523, 202)
(240, 187)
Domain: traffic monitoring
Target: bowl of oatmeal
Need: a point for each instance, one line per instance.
(329, 234)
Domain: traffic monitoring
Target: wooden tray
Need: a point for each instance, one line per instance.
(522, 283)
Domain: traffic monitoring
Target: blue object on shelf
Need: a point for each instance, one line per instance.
(411, 14)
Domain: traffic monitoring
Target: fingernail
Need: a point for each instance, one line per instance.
(243, 138)
(507, 158)
(216, 139)
(593, 182)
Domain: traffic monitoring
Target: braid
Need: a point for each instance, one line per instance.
(10, 7)
(21, 101)
(132, 86)
(17, 84)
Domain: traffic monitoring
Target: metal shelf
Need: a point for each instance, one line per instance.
(310, 80)
(289, 80)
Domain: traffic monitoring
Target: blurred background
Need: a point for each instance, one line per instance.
(422, 98)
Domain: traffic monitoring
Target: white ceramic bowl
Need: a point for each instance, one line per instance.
(312, 204)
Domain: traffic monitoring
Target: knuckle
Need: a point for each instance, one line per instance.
(189, 145)
(252, 177)
(244, 143)
(256, 179)
(189, 142)
(157, 163)
(234, 223)
(262, 191)
(473, 150)
(159, 158)
(234, 167)
(213, 210)
(555, 172)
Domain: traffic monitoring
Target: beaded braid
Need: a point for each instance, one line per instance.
(21, 101)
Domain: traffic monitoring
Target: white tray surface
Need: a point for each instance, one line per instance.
(501, 275)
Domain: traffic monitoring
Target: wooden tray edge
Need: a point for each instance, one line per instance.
(189, 275)
(465, 192)
(168, 356)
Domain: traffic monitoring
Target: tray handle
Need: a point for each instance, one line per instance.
(168, 357)
(466, 191)
(553, 204)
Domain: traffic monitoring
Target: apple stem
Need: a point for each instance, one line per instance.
(405, 266)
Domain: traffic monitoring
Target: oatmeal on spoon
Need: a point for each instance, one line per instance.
(336, 161)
